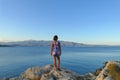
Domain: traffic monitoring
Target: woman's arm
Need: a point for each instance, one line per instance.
(60, 48)
(51, 48)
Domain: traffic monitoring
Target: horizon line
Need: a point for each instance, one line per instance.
(105, 44)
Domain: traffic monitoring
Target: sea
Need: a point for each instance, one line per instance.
(82, 60)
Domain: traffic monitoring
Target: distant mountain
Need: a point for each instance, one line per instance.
(39, 43)
(45, 43)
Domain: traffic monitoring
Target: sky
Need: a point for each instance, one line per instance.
(83, 21)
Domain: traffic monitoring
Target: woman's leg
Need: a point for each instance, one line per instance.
(55, 65)
(58, 62)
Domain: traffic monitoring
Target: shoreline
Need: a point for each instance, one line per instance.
(38, 73)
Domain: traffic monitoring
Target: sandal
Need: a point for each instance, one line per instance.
(59, 69)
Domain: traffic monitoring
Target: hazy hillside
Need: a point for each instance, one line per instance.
(39, 43)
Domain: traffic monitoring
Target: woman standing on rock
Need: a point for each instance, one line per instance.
(56, 52)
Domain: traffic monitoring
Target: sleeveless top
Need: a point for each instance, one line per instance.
(56, 49)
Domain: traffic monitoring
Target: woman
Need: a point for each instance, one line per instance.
(56, 52)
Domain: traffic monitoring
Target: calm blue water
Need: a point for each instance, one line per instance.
(14, 60)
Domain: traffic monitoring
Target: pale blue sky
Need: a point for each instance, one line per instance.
(84, 21)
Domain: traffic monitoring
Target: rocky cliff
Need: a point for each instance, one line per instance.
(110, 71)
(47, 73)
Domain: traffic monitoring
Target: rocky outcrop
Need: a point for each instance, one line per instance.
(110, 71)
(47, 73)
(35, 73)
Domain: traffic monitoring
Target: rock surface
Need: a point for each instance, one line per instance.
(110, 71)
(47, 73)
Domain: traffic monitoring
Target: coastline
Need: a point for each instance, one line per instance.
(46, 73)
